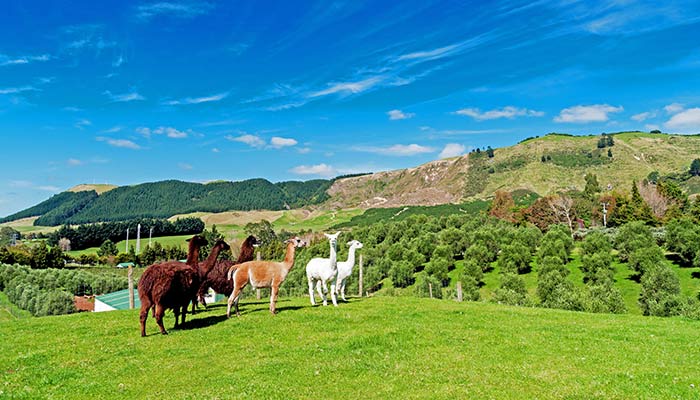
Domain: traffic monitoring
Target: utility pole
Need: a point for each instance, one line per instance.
(138, 238)
(605, 214)
(127, 241)
(150, 233)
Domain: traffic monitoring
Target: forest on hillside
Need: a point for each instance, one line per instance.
(167, 198)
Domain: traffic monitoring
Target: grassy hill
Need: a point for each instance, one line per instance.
(567, 160)
(380, 347)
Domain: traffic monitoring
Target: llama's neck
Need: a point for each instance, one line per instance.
(208, 264)
(334, 256)
(289, 256)
(246, 253)
(351, 256)
(193, 254)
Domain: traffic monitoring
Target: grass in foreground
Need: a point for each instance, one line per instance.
(380, 347)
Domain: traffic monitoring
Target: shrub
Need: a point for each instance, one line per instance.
(632, 236)
(604, 297)
(470, 288)
(646, 259)
(472, 270)
(514, 258)
(422, 286)
(512, 291)
(401, 274)
(660, 294)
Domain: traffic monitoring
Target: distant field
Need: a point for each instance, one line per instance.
(10, 312)
(381, 347)
(121, 245)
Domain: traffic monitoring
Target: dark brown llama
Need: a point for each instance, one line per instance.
(171, 285)
(217, 279)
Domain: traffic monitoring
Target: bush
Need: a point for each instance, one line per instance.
(553, 248)
(596, 265)
(401, 274)
(660, 294)
(646, 259)
(512, 291)
(472, 270)
(604, 297)
(683, 237)
(514, 258)
(480, 255)
(422, 286)
(470, 289)
(632, 236)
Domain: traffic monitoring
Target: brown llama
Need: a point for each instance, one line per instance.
(217, 280)
(171, 285)
(262, 274)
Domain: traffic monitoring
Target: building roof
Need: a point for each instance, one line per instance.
(119, 299)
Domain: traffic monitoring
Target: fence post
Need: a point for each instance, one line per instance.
(257, 291)
(459, 290)
(131, 287)
(360, 282)
(430, 288)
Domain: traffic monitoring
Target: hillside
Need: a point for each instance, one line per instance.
(542, 165)
(379, 347)
(166, 198)
(567, 160)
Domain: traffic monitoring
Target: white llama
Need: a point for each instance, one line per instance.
(345, 268)
(324, 270)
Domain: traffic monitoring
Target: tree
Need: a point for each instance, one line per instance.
(660, 294)
(695, 167)
(64, 244)
(632, 236)
(514, 258)
(502, 206)
(592, 185)
(108, 248)
(609, 141)
(401, 274)
(7, 234)
(562, 206)
(512, 291)
(489, 152)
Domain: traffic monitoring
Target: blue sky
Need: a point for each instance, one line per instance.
(125, 92)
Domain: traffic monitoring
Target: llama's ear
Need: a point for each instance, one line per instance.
(326, 235)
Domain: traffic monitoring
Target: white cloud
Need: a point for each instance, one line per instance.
(304, 150)
(348, 87)
(452, 150)
(215, 150)
(509, 112)
(82, 123)
(400, 150)
(279, 142)
(74, 162)
(184, 166)
(674, 108)
(584, 114)
(197, 100)
(398, 114)
(643, 116)
(21, 184)
(114, 129)
(318, 169)
(19, 60)
(125, 97)
(162, 130)
(446, 51)
(15, 90)
(686, 121)
(173, 9)
(123, 143)
(250, 140)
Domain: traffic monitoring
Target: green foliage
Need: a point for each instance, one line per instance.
(683, 237)
(553, 248)
(514, 258)
(472, 270)
(579, 159)
(632, 236)
(377, 215)
(43, 257)
(479, 254)
(592, 186)
(595, 242)
(401, 274)
(645, 259)
(93, 235)
(108, 248)
(604, 297)
(423, 283)
(64, 211)
(470, 289)
(7, 235)
(50, 291)
(512, 291)
(61, 200)
(695, 167)
(596, 266)
(660, 295)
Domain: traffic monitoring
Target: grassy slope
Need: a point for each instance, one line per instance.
(9, 311)
(663, 153)
(371, 348)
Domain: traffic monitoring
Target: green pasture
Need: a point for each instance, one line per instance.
(369, 348)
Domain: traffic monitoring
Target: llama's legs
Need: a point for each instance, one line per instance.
(159, 310)
(142, 317)
(342, 289)
(273, 298)
(184, 314)
(231, 298)
(334, 296)
(176, 311)
(322, 289)
(311, 291)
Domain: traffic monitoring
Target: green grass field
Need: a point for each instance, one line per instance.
(10, 312)
(381, 347)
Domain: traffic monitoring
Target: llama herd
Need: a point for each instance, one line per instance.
(174, 285)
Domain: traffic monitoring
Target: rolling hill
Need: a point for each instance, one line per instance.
(543, 165)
